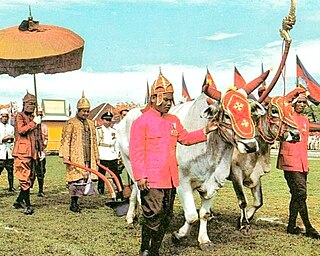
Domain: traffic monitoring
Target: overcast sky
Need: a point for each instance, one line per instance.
(126, 42)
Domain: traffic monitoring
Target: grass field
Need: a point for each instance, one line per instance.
(54, 230)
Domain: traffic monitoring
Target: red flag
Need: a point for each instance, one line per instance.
(185, 93)
(147, 97)
(305, 79)
(239, 81)
(208, 80)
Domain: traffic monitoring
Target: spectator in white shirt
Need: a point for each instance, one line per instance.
(6, 146)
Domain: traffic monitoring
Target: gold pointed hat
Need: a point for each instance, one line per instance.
(161, 86)
(83, 102)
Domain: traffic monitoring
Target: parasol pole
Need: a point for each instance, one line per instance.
(35, 92)
(30, 19)
(39, 130)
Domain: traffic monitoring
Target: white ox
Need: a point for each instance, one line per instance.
(203, 167)
(247, 169)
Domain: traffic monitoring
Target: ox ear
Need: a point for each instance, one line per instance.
(210, 112)
(210, 101)
(257, 109)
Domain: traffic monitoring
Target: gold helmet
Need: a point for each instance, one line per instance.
(28, 97)
(83, 102)
(161, 86)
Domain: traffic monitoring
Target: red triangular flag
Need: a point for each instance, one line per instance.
(306, 80)
(239, 81)
(208, 80)
(185, 93)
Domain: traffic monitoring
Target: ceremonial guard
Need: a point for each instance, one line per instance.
(28, 148)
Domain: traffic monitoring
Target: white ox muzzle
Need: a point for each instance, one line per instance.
(247, 145)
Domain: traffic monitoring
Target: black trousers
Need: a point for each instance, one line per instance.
(113, 166)
(8, 165)
(41, 168)
(157, 210)
(297, 183)
(39, 171)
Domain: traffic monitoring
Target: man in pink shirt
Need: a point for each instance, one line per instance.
(152, 151)
(293, 159)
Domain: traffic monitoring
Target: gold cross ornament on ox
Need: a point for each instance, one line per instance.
(238, 108)
(285, 110)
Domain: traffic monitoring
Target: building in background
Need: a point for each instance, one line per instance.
(56, 114)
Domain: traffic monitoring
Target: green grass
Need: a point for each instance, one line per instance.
(54, 230)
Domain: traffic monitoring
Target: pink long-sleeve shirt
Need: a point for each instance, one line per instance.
(152, 147)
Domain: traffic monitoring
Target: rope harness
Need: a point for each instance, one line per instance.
(271, 122)
(223, 127)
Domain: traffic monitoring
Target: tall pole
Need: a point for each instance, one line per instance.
(35, 91)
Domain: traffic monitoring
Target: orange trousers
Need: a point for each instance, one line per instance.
(23, 168)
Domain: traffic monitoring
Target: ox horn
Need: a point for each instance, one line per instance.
(250, 87)
(211, 92)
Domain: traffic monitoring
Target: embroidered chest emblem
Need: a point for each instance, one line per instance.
(174, 131)
(304, 128)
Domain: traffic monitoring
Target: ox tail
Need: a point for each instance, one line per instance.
(100, 175)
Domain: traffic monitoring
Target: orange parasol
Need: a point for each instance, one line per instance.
(33, 48)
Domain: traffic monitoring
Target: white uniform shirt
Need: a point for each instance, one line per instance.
(106, 137)
(6, 147)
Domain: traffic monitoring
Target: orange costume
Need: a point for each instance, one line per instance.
(26, 148)
(294, 156)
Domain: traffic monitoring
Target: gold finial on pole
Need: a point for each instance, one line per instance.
(288, 22)
(30, 15)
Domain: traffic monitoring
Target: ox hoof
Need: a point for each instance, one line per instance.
(246, 230)
(174, 238)
(208, 246)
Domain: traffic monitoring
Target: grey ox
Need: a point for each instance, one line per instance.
(247, 169)
(203, 167)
